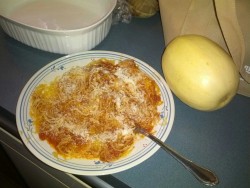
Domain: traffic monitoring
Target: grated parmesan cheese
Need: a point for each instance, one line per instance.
(98, 103)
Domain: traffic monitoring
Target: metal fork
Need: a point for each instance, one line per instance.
(204, 175)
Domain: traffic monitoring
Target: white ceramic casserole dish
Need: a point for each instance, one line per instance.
(58, 26)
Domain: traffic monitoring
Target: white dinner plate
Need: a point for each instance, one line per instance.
(144, 148)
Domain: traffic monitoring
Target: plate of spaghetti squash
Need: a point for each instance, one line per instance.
(78, 113)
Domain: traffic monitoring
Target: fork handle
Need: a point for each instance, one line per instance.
(202, 174)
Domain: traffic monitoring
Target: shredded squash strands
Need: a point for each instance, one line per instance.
(90, 112)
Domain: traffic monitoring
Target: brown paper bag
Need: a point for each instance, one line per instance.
(224, 21)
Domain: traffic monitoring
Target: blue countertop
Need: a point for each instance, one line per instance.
(218, 140)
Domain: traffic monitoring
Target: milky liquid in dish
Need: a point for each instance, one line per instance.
(56, 15)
